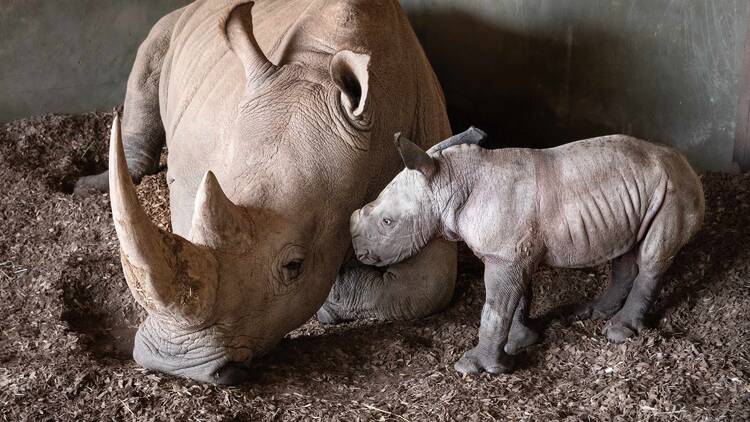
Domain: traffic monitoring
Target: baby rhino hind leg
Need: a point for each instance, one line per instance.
(624, 271)
(670, 230)
(629, 320)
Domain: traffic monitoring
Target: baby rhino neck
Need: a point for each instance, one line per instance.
(454, 184)
(478, 190)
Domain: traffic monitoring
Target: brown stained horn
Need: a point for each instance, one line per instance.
(168, 276)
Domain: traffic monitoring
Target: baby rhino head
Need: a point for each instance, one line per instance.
(406, 215)
(403, 218)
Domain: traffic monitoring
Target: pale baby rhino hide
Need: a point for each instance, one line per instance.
(613, 198)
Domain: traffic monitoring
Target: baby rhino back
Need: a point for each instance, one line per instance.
(599, 197)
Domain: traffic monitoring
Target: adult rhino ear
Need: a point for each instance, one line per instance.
(350, 72)
(413, 156)
(238, 31)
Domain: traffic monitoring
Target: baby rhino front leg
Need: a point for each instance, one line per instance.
(505, 282)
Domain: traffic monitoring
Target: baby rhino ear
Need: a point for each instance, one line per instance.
(413, 156)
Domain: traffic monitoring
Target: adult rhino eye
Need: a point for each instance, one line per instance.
(292, 269)
(387, 221)
(288, 268)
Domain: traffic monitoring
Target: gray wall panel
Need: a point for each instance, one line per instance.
(531, 72)
(70, 56)
(541, 72)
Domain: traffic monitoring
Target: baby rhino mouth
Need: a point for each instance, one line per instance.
(363, 253)
(366, 257)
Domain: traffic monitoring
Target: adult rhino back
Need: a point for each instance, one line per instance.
(278, 121)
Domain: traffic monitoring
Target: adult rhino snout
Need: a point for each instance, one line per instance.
(188, 354)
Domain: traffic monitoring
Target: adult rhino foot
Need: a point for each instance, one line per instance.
(617, 331)
(98, 183)
(475, 361)
(328, 315)
(519, 339)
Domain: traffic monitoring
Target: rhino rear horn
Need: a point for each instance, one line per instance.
(168, 276)
(239, 35)
(217, 222)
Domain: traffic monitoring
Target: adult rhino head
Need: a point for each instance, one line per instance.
(267, 160)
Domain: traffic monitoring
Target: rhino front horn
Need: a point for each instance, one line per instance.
(169, 276)
(217, 222)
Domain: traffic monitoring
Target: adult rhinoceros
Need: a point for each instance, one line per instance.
(279, 125)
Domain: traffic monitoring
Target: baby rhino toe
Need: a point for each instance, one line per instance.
(619, 331)
(594, 310)
(475, 361)
(519, 339)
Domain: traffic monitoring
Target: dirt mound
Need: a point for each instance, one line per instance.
(67, 320)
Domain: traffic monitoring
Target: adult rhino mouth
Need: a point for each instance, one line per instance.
(188, 356)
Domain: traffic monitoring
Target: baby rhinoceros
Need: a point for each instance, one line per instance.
(610, 198)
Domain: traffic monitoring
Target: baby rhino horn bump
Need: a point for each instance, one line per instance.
(217, 222)
(166, 274)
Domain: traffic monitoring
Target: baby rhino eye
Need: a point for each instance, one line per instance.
(387, 221)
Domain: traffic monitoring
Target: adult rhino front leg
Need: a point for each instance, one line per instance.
(413, 288)
(143, 131)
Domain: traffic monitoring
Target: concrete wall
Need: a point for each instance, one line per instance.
(70, 56)
(541, 72)
(530, 72)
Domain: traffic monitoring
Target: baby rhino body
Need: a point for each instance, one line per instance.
(579, 204)
(610, 198)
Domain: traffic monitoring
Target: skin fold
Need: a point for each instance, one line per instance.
(578, 205)
(277, 118)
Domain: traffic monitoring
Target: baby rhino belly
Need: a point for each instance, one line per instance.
(587, 229)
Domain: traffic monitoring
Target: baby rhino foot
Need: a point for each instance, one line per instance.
(617, 331)
(519, 339)
(475, 361)
(595, 311)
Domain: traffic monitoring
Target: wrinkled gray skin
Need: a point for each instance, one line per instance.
(611, 198)
(277, 119)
